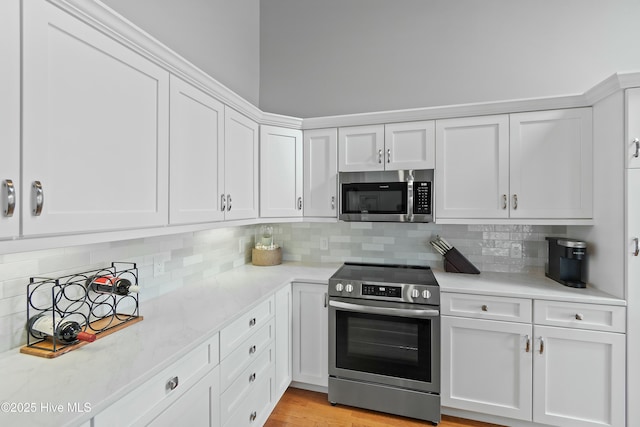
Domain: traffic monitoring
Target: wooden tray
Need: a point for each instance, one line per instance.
(45, 348)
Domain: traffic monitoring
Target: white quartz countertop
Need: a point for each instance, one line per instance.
(104, 371)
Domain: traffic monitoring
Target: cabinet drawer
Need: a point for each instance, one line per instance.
(608, 318)
(256, 407)
(244, 355)
(238, 331)
(232, 399)
(155, 395)
(486, 307)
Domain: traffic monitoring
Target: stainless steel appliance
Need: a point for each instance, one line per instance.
(393, 196)
(567, 262)
(384, 339)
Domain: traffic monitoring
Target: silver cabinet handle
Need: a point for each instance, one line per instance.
(527, 346)
(333, 203)
(252, 322)
(253, 416)
(252, 349)
(515, 201)
(9, 200)
(636, 244)
(388, 155)
(504, 201)
(37, 198)
(299, 203)
(326, 299)
(541, 345)
(252, 377)
(636, 141)
(579, 316)
(484, 307)
(380, 156)
(172, 384)
(228, 202)
(223, 203)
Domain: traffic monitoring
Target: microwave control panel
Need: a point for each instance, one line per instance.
(422, 197)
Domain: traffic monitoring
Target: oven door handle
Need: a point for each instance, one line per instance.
(400, 312)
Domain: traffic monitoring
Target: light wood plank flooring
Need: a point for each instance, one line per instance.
(302, 408)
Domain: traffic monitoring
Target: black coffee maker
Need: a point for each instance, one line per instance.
(567, 262)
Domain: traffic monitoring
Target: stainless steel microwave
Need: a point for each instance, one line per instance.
(392, 196)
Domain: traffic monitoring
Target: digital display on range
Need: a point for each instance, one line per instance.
(382, 291)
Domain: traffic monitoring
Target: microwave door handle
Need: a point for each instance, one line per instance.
(399, 312)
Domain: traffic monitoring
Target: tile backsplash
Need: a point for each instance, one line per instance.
(187, 258)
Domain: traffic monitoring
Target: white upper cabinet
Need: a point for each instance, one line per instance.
(240, 165)
(361, 148)
(280, 172)
(535, 165)
(10, 118)
(95, 129)
(472, 167)
(320, 148)
(410, 145)
(394, 146)
(196, 158)
(632, 99)
(551, 154)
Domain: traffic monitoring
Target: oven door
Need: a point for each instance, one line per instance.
(387, 343)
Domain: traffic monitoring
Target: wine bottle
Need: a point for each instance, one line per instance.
(111, 284)
(66, 331)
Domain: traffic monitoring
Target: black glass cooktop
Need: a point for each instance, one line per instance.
(386, 273)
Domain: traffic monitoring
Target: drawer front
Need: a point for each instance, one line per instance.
(156, 394)
(256, 407)
(238, 331)
(597, 317)
(260, 368)
(233, 365)
(486, 307)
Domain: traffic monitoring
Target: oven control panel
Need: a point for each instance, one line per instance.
(382, 291)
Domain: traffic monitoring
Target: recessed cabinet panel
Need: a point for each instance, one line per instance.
(410, 145)
(320, 150)
(10, 118)
(196, 155)
(310, 334)
(95, 128)
(472, 167)
(361, 148)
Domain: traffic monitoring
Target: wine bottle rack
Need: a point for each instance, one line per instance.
(70, 298)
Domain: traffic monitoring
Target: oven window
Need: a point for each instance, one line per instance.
(373, 198)
(386, 345)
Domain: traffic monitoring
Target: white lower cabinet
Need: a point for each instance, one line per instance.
(310, 334)
(566, 368)
(188, 386)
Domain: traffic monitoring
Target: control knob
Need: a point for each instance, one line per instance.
(339, 287)
(349, 288)
(426, 294)
(415, 293)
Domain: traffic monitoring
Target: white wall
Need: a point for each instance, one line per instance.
(346, 56)
(221, 37)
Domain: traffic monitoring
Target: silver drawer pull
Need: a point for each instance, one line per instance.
(37, 198)
(388, 155)
(380, 156)
(333, 203)
(527, 347)
(252, 349)
(299, 203)
(9, 199)
(504, 201)
(172, 384)
(253, 416)
(636, 250)
(228, 202)
(515, 201)
(541, 345)
(636, 141)
(578, 316)
(223, 203)
(252, 322)
(252, 377)
(484, 307)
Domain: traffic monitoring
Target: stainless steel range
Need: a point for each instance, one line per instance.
(384, 339)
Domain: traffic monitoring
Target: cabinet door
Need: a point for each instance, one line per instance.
(240, 165)
(284, 332)
(196, 152)
(410, 145)
(361, 148)
(632, 99)
(310, 334)
(472, 167)
(95, 128)
(633, 293)
(486, 366)
(199, 406)
(280, 172)
(10, 118)
(320, 149)
(551, 157)
(579, 377)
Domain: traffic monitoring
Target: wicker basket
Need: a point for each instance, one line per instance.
(266, 257)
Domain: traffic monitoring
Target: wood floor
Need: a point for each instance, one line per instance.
(302, 408)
